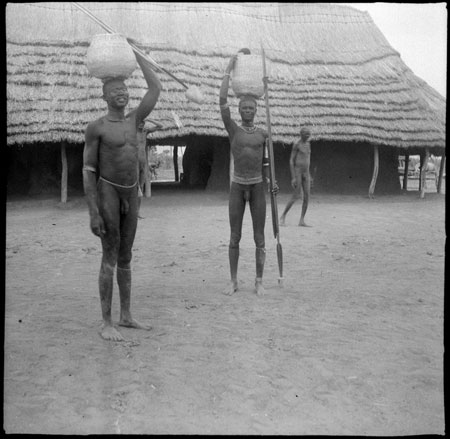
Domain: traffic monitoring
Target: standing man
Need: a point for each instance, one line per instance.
(249, 152)
(299, 163)
(110, 178)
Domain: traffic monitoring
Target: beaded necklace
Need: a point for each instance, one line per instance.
(115, 120)
(249, 130)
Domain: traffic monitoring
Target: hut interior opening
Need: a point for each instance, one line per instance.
(203, 162)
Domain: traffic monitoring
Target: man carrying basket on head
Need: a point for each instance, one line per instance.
(110, 177)
(249, 151)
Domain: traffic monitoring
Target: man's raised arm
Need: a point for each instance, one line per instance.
(223, 94)
(154, 89)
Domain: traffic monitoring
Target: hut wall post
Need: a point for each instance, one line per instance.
(423, 172)
(175, 163)
(441, 172)
(376, 164)
(405, 175)
(64, 172)
(420, 171)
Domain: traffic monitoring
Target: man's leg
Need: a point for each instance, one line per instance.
(295, 196)
(128, 227)
(105, 283)
(236, 208)
(260, 256)
(108, 203)
(306, 185)
(258, 211)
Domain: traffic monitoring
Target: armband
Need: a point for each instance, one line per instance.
(89, 168)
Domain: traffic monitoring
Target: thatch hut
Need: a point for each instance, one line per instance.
(329, 67)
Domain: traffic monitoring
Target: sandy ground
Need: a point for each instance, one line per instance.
(352, 345)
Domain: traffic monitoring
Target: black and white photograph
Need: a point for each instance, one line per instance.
(225, 218)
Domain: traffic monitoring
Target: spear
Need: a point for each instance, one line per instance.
(273, 196)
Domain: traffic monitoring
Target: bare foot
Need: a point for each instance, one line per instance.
(231, 289)
(303, 224)
(282, 221)
(108, 332)
(259, 289)
(131, 323)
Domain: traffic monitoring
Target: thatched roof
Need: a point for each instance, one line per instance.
(329, 66)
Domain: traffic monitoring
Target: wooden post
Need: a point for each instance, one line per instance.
(64, 173)
(175, 163)
(441, 172)
(423, 173)
(420, 171)
(375, 171)
(405, 175)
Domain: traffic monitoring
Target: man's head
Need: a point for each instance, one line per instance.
(115, 92)
(247, 108)
(305, 133)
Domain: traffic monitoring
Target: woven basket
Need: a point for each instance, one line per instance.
(247, 76)
(110, 56)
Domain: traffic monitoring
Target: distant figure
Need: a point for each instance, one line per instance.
(145, 170)
(299, 163)
(111, 185)
(152, 153)
(153, 162)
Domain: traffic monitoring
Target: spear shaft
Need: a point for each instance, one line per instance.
(273, 196)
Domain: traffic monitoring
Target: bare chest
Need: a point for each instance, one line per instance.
(120, 134)
(303, 149)
(245, 144)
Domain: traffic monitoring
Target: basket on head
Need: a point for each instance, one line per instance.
(110, 56)
(247, 76)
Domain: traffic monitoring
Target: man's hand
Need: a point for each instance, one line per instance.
(98, 226)
(133, 42)
(275, 189)
(245, 51)
(231, 64)
(294, 183)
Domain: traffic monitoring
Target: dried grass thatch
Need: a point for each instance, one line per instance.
(330, 67)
